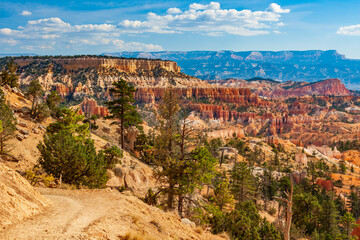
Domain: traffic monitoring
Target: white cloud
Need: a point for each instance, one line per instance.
(51, 33)
(25, 13)
(210, 20)
(212, 5)
(351, 30)
(276, 8)
(6, 31)
(173, 11)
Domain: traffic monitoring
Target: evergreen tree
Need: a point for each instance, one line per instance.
(9, 127)
(307, 212)
(242, 183)
(73, 160)
(355, 204)
(70, 122)
(268, 187)
(329, 218)
(53, 101)
(112, 156)
(348, 223)
(34, 91)
(144, 146)
(168, 118)
(213, 146)
(165, 153)
(243, 223)
(67, 153)
(9, 76)
(180, 171)
(121, 107)
(223, 194)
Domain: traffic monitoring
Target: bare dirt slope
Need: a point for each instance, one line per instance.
(18, 199)
(101, 214)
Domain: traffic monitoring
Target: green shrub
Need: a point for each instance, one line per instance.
(76, 161)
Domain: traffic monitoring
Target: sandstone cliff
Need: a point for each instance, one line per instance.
(122, 64)
(228, 95)
(92, 76)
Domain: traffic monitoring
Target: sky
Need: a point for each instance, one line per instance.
(49, 27)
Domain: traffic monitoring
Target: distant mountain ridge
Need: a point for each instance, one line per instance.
(310, 66)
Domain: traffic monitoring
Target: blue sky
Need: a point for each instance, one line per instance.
(93, 27)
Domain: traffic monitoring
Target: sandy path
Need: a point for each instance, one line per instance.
(65, 219)
(101, 214)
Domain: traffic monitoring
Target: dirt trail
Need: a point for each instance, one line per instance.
(66, 218)
(100, 214)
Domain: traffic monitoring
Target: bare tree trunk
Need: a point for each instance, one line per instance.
(170, 199)
(288, 200)
(181, 205)
(222, 156)
(122, 128)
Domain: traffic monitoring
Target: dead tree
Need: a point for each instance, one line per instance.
(286, 225)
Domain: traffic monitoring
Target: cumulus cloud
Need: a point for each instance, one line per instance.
(25, 13)
(351, 30)
(276, 8)
(50, 33)
(173, 11)
(210, 19)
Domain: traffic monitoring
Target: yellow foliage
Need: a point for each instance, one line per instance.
(35, 176)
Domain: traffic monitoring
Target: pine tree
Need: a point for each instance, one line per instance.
(9, 76)
(53, 101)
(168, 118)
(121, 107)
(268, 186)
(180, 171)
(9, 128)
(73, 160)
(223, 194)
(355, 204)
(70, 122)
(68, 153)
(242, 183)
(329, 218)
(165, 153)
(348, 223)
(34, 91)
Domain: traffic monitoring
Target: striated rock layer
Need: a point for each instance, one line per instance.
(229, 95)
(90, 106)
(121, 64)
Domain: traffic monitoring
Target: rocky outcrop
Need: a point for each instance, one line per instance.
(301, 158)
(227, 133)
(90, 106)
(62, 90)
(327, 151)
(289, 89)
(327, 87)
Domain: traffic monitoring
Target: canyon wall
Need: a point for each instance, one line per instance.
(241, 96)
(121, 64)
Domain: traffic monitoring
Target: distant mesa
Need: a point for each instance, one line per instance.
(309, 66)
